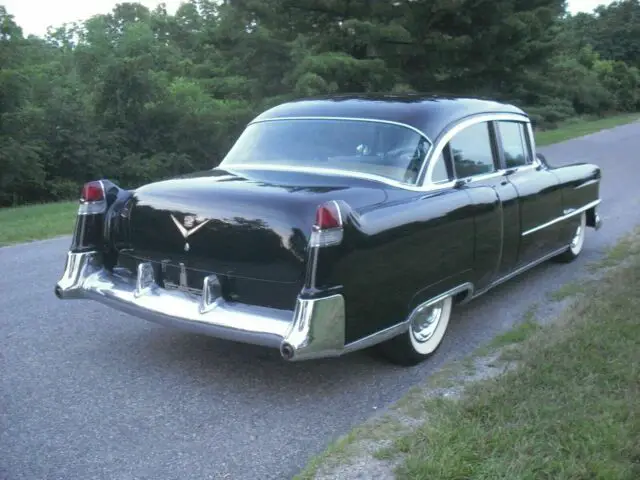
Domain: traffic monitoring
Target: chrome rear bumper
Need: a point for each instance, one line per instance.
(314, 329)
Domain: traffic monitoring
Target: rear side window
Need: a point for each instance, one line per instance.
(472, 152)
(514, 143)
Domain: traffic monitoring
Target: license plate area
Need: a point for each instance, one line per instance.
(209, 289)
(179, 277)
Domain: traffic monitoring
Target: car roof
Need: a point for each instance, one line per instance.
(427, 113)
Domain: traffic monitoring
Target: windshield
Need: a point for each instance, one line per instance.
(388, 150)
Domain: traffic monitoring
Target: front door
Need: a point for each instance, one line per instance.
(539, 193)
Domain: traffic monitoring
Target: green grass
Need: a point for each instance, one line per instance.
(579, 127)
(35, 222)
(519, 333)
(570, 409)
(568, 290)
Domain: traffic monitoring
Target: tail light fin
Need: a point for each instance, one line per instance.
(93, 199)
(328, 226)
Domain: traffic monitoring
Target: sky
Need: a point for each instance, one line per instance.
(34, 16)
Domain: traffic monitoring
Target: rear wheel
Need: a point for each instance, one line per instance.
(577, 242)
(427, 327)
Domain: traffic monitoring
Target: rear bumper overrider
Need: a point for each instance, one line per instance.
(314, 329)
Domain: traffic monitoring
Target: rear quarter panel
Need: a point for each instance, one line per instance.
(580, 186)
(398, 254)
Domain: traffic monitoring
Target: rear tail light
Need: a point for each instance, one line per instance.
(92, 192)
(92, 199)
(328, 227)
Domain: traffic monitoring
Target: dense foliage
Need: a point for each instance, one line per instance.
(136, 95)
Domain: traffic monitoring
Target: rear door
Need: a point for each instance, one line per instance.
(473, 154)
(539, 192)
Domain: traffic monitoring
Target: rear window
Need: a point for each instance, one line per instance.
(376, 148)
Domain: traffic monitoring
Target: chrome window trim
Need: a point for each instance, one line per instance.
(569, 213)
(337, 171)
(426, 185)
(326, 171)
(532, 141)
(458, 127)
(350, 119)
(528, 134)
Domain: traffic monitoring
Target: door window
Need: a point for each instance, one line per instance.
(514, 144)
(440, 172)
(472, 152)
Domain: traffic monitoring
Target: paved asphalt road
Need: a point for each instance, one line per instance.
(89, 393)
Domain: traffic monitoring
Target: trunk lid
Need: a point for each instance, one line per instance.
(252, 225)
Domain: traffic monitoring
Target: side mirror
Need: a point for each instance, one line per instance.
(542, 158)
(461, 183)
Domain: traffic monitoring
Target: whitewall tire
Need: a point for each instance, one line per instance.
(577, 241)
(427, 327)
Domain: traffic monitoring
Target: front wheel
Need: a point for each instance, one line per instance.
(577, 242)
(427, 326)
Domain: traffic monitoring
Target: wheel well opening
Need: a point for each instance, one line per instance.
(462, 297)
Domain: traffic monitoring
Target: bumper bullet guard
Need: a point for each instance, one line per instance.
(314, 329)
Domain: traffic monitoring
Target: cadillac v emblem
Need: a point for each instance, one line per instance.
(189, 228)
(189, 221)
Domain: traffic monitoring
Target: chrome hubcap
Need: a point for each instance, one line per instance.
(426, 321)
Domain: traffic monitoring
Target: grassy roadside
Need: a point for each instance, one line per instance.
(579, 127)
(36, 222)
(558, 400)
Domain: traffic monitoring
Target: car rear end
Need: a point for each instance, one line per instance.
(244, 271)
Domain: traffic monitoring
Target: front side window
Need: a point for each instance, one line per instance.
(514, 143)
(472, 152)
(388, 150)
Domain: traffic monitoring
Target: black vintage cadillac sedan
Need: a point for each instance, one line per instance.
(335, 224)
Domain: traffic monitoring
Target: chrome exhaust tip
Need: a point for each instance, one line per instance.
(287, 351)
(58, 291)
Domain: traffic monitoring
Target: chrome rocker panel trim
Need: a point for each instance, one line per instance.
(314, 329)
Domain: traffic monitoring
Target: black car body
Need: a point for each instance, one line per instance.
(335, 224)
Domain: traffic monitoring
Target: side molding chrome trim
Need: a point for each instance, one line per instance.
(588, 184)
(400, 328)
(520, 270)
(465, 287)
(376, 338)
(569, 213)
